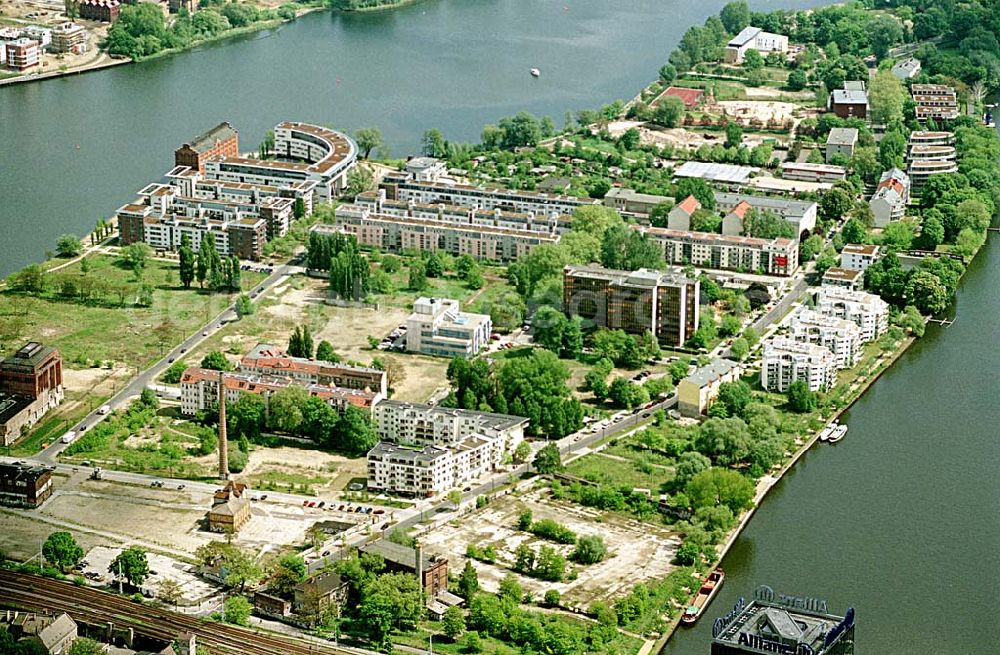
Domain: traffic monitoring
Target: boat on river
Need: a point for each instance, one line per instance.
(705, 595)
(827, 431)
(535, 72)
(838, 434)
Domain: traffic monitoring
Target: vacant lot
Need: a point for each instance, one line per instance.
(637, 551)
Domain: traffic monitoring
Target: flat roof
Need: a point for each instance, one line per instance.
(842, 136)
(842, 274)
(714, 172)
(849, 97)
(860, 249)
(713, 371)
(761, 626)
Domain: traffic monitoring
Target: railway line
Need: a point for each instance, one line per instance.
(35, 593)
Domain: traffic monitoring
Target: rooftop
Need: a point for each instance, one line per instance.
(397, 554)
(207, 140)
(784, 206)
(487, 419)
(785, 625)
(632, 194)
(849, 97)
(714, 172)
(30, 354)
(842, 136)
(842, 274)
(865, 249)
(643, 278)
(708, 374)
(746, 35)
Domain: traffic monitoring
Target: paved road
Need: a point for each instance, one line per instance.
(145, 378)
(782, 306)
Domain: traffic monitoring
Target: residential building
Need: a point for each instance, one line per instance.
(438, 327)
(222, 140)
(891, 197)
(921, 169)
(859, 256)
(230, 507)
(934, 102)
(7, 35)
(23, 53)
(40, 35)
(754, 38)
(239, 236)
(717, 251)
(724, 174)
(932, 138)
(53, 634)
(848, 278)
(69, 38)
(105, 11)
(662, 303)
(697, 392)
(840, 142)
(267, 604)
(790, 624)
(404, 187)
(735, 219)
(690, 97)
(840, 336)
(800, 213)
(866, 310)
(930, 153)
(416, 423)
(316, 594)
(631, 202)
(410, 471)
(305, 153)
(269, 360)
(30, 385)
(489, 235)
(906, 69)
(679, 217)
(24, 485)
(431, 569)
(784, 361)
(200, 390)
(850, 102)
(818, 173)
(426, 169)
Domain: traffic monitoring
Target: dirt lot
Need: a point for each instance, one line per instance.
(330, 473)
(637, 551)
(757, 109)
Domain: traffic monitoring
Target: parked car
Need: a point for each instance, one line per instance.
(305, 503)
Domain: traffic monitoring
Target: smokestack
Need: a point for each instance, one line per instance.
(223, 444)
(418, 565)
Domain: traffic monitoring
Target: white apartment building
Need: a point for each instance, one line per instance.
(843, 277)
(430, 470)
(426, 169)
(838, 335)
(800, 213)
(404, 422)
(438, 327)
(734, 253)
(866, 310)
(785, 361)
(754, 38)
(859, 256)
(891, 197)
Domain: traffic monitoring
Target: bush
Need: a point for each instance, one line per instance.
(590, 549)
(237, 460)
(553, 531)
(551, 598)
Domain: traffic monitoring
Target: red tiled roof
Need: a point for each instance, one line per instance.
(742, 208)
(892, 183)
(690, 97)
(690, 204)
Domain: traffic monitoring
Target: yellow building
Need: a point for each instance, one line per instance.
(230, 509)
(696, 392)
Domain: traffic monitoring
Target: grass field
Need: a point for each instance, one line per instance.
(636, 470)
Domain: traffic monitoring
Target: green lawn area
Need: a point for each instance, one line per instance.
(636, 471)
(112, 328)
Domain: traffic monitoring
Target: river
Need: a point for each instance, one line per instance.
(75, 149)
(899, 520)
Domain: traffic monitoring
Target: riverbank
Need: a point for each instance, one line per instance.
(101, 64)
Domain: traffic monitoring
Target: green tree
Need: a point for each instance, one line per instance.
(453, 622)
(932, 232)
(734, 135)
(797, 80)
(418, 276)
(720, 486)
(667, 73)
(468, 581)
(550, 565)
(522, 451)
(433, 143)
(187, 262)
(85, 646)
(590, 549)
(62, 550)
(216, 361)
(510, 589)
(547, 328)
(854, 231)
(290, 571)
(357, 434)
(692, 186)
(237, 610)
(668, 111)
(173, 374)
(753, 61)
(834, 204)
(244, 306)
(548, 459)
(886, 98)
(132, 564)
(325, 352)
(735, 16)
(136, 255)
(434, 265)
(368, 138)
(800, 398)
(69, 245)
(927, 293)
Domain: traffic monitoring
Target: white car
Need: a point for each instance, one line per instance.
(68, 437)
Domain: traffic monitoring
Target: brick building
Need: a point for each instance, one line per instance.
(431, 569)
(230, 508)
(223, 139)
(30, 384)
(105, 11)
(24, 485)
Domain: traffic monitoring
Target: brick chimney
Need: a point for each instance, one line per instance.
(223, 444)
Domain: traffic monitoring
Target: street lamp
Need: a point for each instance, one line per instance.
(430, 643)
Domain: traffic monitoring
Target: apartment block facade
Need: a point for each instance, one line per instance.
(859, 256)
(778, 257)
(840, 336)
(265, 359)
(663, 303)
(785, 361)
(437, 327)
(866, 310)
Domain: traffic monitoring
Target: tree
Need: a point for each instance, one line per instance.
(667, 73)
(734, 135)
(550, 565)
(735, 396)
(590, 549)
(236, 610)
(800, 398)
(434, 265)
(595, 219)
(136, 255)
(926, 292)
(85, 646)
(244, 306)
(720, 486)
(325, 352)
(547, 328)
(62, 550)
(368, 138)
(357, 434)
(418, 277)
(898, 235)
(623, 393)
(668, 111)
(290, 571)
(797, 80)
(510, 589)
(359, 180)
(725, 440)
(522, 451)
(548, 459)
(453, 622)
(697, 187)
(886, 98)
(884, 31)
(626, 249)
(753, 61)
(834, 204)
(131, 563)
(216, 361)
(468, 582)
(854, 231)
(891, 150)
(433, 143)
(473, 645)
(187, 262)
(932, 232)
(735, 16)
(739, 349)
(69, 245)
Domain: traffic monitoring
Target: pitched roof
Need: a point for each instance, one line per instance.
(209, 139)
(689, 205)
(741, 209)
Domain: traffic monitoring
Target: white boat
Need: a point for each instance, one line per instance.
(827, 431)
(535, 72)
(838, 434)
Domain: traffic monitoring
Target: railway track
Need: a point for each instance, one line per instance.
(36, 593)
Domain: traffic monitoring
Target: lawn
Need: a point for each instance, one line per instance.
(637, 471)
(112, 329)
